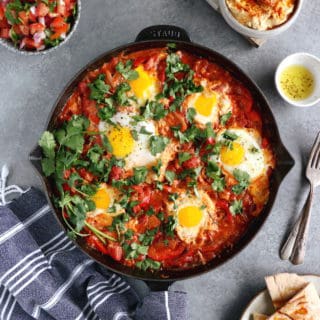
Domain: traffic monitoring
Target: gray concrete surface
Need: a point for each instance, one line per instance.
(30, 85)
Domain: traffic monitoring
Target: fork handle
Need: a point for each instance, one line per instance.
(299, 249)
(287, 248)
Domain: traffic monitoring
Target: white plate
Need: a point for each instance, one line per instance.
(262, 303)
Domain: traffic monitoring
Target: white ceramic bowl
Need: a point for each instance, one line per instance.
(252, 33)
(10, 46)
(312, 63)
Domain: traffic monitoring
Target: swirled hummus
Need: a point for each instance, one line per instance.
(261, 14)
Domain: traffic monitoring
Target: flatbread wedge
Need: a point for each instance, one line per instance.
(283, 286)
(305, 305)
(258, 316)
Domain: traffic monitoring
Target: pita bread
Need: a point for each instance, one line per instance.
(305, 305)
(258, 316)
(283, 286)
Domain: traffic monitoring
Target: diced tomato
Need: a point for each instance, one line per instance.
(4, 24)
(42, 10)
(153, 222)
(1, 12)
(264, 142)
(23, 16)
(95, 243)
(115, 251)
(66, 174)
(143, 194)
(61, 8)
(116, 173)
(192, 163)
(224, 205)
(66, 187)
(4, 33)
(30, 43)
(36, 27)
(57, 23)
(162, 70)
(255, 117)
(159, 251)
(24, 29)
(90, 110)
(83, 88)
(86, 175)
(32, 17)
(138, 61)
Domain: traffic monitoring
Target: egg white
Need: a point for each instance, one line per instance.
(207, 207)
(254, 161)
(219, 107)
(140, 155)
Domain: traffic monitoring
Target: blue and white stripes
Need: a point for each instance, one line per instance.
(44, 276)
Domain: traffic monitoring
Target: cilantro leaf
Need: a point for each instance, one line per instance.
(48, 166)
(236, 207)
(99, 89)
(243, 178)
(154, 110)
(134, 250)
(230, 135)
(191, 112)
(214, 172)
(170, 226)
(120, 95)
(48, 144)
(126, 70)
(170, 176)
(148, 264)
(184, 156)
(157, 144)
(224, 118)
(139, 175)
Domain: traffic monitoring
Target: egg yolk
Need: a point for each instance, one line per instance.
(204, 104)
(234, 155)
(189, 216)
(121, 141)
(143, 84)
(101, 199)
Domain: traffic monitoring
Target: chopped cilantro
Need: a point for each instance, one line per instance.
(170, 176)
(236, 207)
(243, 178)
(148, 264)
(126, 70)
(224, 118)
(184, 156)
(157, 144)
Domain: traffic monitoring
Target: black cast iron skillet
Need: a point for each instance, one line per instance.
(153, 37)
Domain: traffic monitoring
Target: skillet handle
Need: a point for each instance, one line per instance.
(163, 32)
(159, 286)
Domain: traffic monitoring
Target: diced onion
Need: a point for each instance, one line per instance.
(33, 10)
(38, 36)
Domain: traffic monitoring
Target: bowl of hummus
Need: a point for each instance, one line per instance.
(260, 18)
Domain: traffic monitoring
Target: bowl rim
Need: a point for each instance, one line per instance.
(9, 45)
(299, 104)
(254, 33)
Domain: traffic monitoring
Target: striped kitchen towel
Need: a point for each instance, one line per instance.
(44, 276)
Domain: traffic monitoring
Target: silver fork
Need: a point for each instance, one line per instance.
(295, 246)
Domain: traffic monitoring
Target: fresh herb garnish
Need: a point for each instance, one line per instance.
(126, 70)
(139, 175)
(157, 144)
(236, 207)
(243, 178)
(224, 118)
(170, 176)
(184, 156)
(148, 264)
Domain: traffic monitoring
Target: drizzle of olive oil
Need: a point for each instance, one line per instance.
(297, 82)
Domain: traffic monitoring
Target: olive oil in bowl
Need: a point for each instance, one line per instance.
(297, 82)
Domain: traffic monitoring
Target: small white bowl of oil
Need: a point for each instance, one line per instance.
(298, 79)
